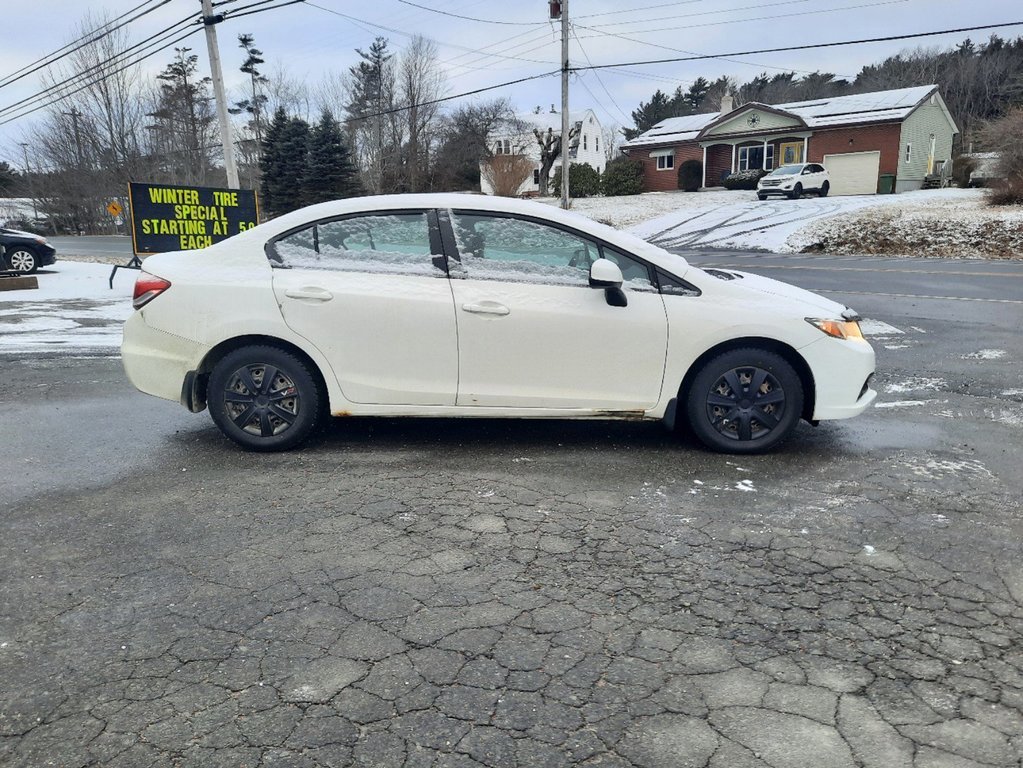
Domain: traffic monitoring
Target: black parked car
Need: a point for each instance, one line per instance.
(24, 252)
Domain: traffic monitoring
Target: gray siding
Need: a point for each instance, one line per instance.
(929, 118)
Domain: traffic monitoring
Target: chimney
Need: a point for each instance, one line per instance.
(726, 103)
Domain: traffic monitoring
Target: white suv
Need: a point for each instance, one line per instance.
(793, 180)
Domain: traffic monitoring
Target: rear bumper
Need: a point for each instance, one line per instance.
(156, 362)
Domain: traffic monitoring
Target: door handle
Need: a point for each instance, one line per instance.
(487, 308)
(315, 294)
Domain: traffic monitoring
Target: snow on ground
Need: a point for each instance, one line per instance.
(73, 310)
(936, 222)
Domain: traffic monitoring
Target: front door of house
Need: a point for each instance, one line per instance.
(791, 152)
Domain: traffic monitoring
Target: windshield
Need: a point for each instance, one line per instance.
(786, 170)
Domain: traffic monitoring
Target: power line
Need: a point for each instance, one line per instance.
(102, 76)
(710, 13)
(235, 15)
(596, 75)
(640, 8)
(862, 41)
(53, 57)
(758, 18)
(56, 87)
(410, 34)
(471, 18)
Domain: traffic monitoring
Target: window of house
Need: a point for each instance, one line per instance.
(385, 243)
(517, 250)
(596, 143)
(584, 141)
(665, 162)
(536, 176)
(909, 152)
(503, 147)
(753, 157)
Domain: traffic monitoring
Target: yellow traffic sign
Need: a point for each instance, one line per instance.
(114, 208)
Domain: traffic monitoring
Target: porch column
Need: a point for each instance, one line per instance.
(704, 184)
(806, 149)
(733, 158)
(765, 155)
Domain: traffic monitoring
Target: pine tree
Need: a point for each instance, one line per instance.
(270, 163)
(291, 162)
(329, 173)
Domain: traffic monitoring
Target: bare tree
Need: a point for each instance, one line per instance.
(550, 150)
(420, 83)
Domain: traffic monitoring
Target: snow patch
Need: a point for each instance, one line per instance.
(915, 384)
(873, 327)
(902, 403)
(934, 469)
(745, 486)
(985, 354)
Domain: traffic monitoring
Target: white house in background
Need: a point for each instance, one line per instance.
(517, 138)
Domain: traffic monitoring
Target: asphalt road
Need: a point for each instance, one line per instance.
(105, 246)
(462, 593)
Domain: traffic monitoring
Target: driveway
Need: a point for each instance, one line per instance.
(477, 593)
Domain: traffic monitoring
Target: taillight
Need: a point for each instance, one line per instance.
(147, 288)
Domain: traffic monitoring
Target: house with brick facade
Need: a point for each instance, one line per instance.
(905, 134)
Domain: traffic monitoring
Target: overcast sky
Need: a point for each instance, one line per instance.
(310, 41)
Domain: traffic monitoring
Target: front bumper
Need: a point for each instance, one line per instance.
(47, 255)
(774, 191)
(841, 371)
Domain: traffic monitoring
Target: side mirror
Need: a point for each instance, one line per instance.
(604, 273)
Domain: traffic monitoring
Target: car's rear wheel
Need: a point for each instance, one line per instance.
(265, 399)
(797, 192)
(825, 188)
(22, 259)
(745, 401)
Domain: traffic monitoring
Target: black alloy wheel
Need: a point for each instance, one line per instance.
(265, 399)
(745, 401)
(22, 259)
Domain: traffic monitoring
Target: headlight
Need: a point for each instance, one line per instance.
(839, 329)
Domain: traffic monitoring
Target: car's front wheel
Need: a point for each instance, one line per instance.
(22, 259)
(825, 188)
(265, 399)
(797, 192)
(744, 401)
(761, 197)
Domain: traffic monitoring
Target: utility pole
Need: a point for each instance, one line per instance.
(210, 22)
(565, 142)
(31, 185)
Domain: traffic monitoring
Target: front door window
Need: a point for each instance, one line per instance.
(792, 153)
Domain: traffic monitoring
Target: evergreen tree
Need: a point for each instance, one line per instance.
(329, 172)
(291, 163)
(270, 162)
(647, 115)
(257, 101)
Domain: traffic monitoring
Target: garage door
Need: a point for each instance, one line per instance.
(853, 173)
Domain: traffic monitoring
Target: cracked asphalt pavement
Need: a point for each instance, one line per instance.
(463, 593)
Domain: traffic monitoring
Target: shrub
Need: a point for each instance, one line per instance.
(623, 176)
(744, 179)
(690, 175)
(583, 180)
(1002, 136)
(506, 173)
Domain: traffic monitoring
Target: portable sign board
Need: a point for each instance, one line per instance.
(172, 218)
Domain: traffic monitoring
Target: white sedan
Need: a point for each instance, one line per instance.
(463, 305)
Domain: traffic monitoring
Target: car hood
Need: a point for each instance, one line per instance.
(793, 297)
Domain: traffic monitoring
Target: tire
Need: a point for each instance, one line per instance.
(825, 188)
(260, 414)
(761, 198)
(797, 192)
(727, 421)
(22, 259)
